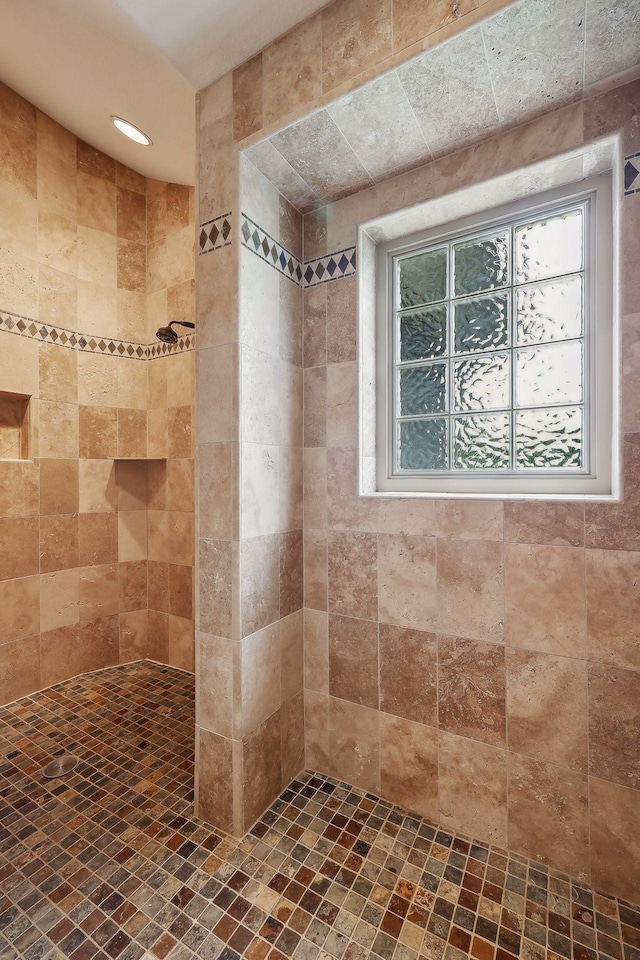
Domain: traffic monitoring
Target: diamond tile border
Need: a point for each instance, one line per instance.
(258, 241)
(214, 234)
(88, 343)
(632, 174)
(160, 349)
(308, 273)
(333, 266)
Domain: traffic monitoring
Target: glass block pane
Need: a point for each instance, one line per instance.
(550, 311)
(481, 323)
(481, 264)
(550, 374)
(423, 333)
(549, 438)
(422, 445)
(423, 279)
(423, 390)
(481, 443)
(549, 248)
(481, 383)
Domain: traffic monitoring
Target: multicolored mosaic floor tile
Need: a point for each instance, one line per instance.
(109, 864)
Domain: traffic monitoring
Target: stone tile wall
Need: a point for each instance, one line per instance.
(456, 654)
(250, 704)
(338, 49)
(75, 321)
(474, 660)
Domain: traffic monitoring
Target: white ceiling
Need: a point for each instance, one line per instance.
(207, 38)
(82, 60)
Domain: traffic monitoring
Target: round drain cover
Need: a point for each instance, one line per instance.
(61, 766)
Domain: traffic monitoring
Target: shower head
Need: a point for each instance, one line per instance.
(168, 334)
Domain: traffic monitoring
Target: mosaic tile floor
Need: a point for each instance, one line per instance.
(108, 863)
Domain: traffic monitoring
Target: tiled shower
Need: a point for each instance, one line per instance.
(469, 659)
(96, 505)
(474, 662)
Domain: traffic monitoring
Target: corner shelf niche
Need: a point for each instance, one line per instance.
(14, 426)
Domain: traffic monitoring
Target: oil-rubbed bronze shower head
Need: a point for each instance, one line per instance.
(168, 334)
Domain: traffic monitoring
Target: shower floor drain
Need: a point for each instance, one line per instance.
(60, 767)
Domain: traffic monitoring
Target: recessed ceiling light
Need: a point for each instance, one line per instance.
(129, 130)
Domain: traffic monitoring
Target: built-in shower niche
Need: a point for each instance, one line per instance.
(14, 426)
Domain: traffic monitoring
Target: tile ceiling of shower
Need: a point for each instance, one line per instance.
(534, 56)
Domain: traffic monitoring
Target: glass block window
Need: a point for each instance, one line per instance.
(492, 347)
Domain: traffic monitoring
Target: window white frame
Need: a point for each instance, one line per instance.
(598, 480)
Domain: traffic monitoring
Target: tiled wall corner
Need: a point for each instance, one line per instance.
(76, 325)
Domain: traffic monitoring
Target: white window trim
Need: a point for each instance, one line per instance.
(602, 483)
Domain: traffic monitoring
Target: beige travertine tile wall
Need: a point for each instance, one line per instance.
(171, 296)
(218, 771)
(73, 521)
(431, 674)
(270, 707)
(311, 64)
(250, 708)
(476, 661)
(338, 49)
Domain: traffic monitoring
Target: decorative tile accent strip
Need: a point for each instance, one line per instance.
(261, 243)
(215, 234)
(632, 174)
(46, 333)
(333, 266)
(161, 349)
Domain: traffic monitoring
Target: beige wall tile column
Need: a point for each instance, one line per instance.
(218, 786)
(249, 456)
